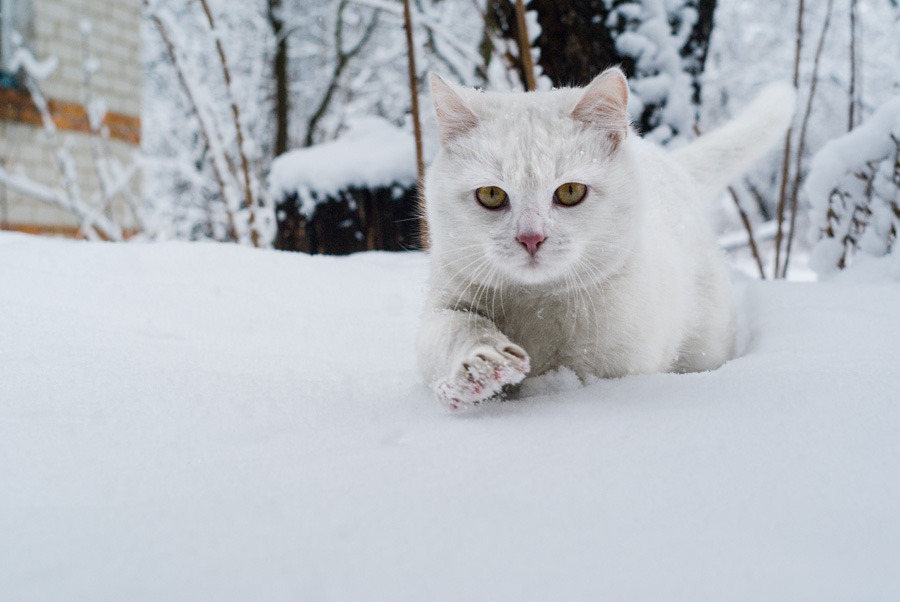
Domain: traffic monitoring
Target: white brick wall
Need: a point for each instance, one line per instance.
(24, 152)
(115, 42)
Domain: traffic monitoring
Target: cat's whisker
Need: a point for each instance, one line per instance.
(476, 303)
(494, 285)
(583, 292)
(475, 255)
(573, 293)
(465, 279)
(477, 280)
(482, 266)
(569, 304)
(597, 273)
(502, 307)
(582, 306)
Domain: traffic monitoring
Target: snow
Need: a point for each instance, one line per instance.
(39, 70)
(858, 170)
(323, 170)
(660, 76)
(96, 113)
(201, 421)
(868, 142)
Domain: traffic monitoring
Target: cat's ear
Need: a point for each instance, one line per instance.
(604, 104)
(454, 117)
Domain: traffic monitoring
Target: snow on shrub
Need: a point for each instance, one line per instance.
(854, 192)
(371, 154)
(657, 36)
(355, 193)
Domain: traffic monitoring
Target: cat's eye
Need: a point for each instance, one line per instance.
(491, 197)
(570, 193)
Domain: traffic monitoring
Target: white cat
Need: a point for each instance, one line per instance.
(559, 238)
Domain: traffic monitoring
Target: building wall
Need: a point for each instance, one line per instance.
(114, 41)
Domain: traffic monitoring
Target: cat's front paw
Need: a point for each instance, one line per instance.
(483, 374)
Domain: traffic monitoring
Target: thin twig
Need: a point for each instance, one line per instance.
(745, 219)
(92, 223)
(396, 9)
(219, 165)
(749, 227)
(342, 60)
(762, 204)
(94, 126)
(851, 120)
(433, 47)
(801, 145)
(786, 158)
(239, 131)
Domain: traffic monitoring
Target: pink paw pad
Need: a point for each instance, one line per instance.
(482, 375)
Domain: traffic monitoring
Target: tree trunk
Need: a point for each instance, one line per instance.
(280, 72)
(578, 41)
(576, 45)
(697, 46)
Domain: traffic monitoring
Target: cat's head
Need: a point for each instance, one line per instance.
(535, 188)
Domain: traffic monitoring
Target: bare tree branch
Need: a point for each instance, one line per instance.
(250, 197)
(341, 62)
(801, 145)
(751, 240)
(786, 158)
(219, 164)
(851, 118)
(396, 9)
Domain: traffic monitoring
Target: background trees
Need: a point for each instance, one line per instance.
(230, 86)
(661, 46)
(321, 64)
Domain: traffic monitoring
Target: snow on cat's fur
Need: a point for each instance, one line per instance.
(628, 280)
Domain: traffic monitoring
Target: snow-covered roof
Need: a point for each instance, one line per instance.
(372, 153)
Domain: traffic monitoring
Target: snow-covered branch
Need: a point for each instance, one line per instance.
(420, 19)
(94, 222)
(342, 59)
(249, 189)
(213, 98)
(854, 192)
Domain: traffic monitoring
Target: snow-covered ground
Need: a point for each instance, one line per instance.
(209, 422)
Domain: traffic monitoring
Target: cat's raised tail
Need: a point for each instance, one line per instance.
(716, 158)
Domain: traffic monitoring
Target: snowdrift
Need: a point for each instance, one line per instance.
(209, 422)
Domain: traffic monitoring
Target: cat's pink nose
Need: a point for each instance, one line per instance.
(531, 241)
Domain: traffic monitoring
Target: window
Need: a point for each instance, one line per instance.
(16, 19)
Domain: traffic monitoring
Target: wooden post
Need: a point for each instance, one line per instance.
(280, 72)
(417, 126)
(525, 47)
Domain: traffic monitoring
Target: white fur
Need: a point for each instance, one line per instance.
(628, 281)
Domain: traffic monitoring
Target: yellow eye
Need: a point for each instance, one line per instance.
(570, 193)
(491, 197)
